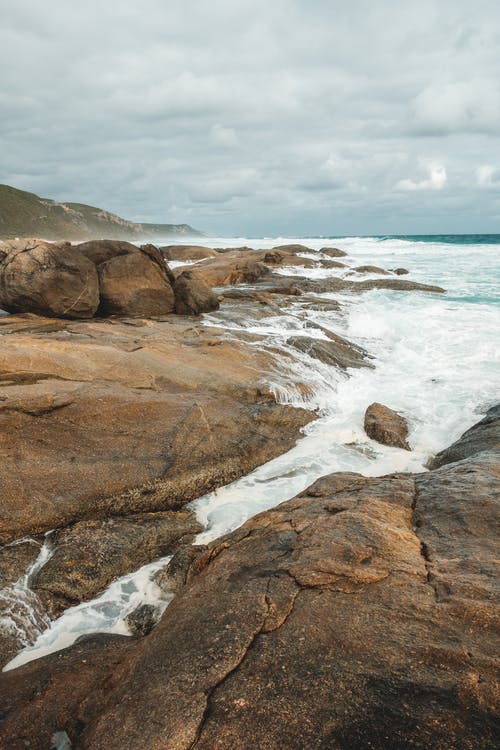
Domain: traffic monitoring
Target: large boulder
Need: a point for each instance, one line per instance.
(99, 251)
(135, 284)
(386, 426)
(46, 278)
(193, 296)
(333, 252)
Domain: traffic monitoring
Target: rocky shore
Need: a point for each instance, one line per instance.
(359, 614)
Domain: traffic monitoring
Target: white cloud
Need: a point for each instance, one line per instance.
(488, 176)
(459, 106)
(436, 180)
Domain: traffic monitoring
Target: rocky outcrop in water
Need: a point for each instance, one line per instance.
(386, 426)
(482, 436)
(360, 614)
(336, 351)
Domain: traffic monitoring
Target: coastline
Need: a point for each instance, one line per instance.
(67, 381)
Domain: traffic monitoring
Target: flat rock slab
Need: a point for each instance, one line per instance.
(127, 416)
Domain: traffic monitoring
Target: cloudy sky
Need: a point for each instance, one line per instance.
(274, 117)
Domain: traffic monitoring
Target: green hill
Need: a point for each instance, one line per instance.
(24, 214)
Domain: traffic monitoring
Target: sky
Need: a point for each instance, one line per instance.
(258, 118)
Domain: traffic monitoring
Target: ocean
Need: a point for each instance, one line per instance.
(436, 361)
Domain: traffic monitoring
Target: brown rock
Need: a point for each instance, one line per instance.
(134, 284)
(99, 251)
(50, 279)
(485, 435)
(332, 264)
(331, 607)
(226, 271)
(386, 426)
(400, 271)
(69, 685)
(193, 296)
(107, 418)
(334, 284)
(142, 620)
(90, 554)
(336, 352)
(359, 614)
(371, 269)
(188, 252)
(293, 249)
(333, 252)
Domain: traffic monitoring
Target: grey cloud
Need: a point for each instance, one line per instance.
(256, 117)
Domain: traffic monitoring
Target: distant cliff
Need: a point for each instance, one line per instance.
(24, 214)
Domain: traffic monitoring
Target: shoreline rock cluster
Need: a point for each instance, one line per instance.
(359, 614)
(356, 615)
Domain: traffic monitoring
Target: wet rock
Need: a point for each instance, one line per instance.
(188, 252)
(386, 426)
(193, 296)
(485, 435)
(69, 684)
(333, 252)
(329, 285)
(332, 264)
(371, 269)
(187, 415)
(399, 271)
(293, 249)
(89, 555)
(327, 305)
(15, 560)
(48, 278)
(336, 352)
(359, 614)
(329, 606)
(142, 620)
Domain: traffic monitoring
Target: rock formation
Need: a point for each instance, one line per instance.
(45, 278)
(359, 614)
(386, 426)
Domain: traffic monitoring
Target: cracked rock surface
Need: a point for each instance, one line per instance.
(360, 614)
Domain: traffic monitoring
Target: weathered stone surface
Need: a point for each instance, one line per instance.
(360, 614)
(15, 560)
(117, 417)
(386, 426)
(50, 279)
(484, 435)
(188, 252)
(134, 284)
(320, 286)
(333, 252)
(327, 630)
(193, 296)
(100, 251)
(332, 264)
(142, 620)
(293, 249)
(227, 271)
(371, 269)
(58, 692)
(337, 351)
(399, 271)
(89, 555)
